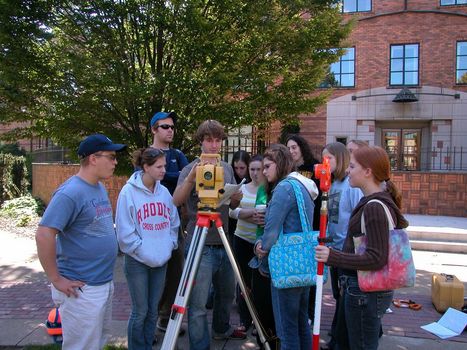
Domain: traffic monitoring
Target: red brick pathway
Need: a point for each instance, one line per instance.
(31, 300)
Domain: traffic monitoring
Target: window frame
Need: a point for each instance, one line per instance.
(455, 3)
(403, 71)
(356, 6)
(340, 74)
(401, 155)
(457, 56)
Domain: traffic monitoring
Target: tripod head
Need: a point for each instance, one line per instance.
(209, 181)
(323, 174)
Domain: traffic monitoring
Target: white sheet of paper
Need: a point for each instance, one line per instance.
(454, 320)
(439, 330)
(452, 323)
(229, 190)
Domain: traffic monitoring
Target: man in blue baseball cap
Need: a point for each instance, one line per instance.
(163, 128)
(77, 246)
(98, 142)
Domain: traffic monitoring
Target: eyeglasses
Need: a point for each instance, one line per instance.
(111, 157)
(166, 126)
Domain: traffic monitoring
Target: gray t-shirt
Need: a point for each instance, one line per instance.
(86, 242)
(192, 205)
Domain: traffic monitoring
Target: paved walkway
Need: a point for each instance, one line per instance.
(25, 301)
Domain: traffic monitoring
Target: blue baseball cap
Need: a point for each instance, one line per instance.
(96, 143)
(163, 115)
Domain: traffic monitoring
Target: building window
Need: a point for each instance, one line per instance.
(341, 139)
(461, 62)
(342, 72)
(356, 6)
(453, 2)
(404, 65)
(403, 148)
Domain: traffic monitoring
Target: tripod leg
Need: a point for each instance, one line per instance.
(239, 278)
(184, 288)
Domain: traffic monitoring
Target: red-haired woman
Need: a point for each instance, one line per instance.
(368, 170)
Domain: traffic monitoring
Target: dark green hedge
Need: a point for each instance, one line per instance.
(13, 176)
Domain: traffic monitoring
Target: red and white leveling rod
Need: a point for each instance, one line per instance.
(323, 173)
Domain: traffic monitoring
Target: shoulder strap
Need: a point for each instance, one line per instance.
(177, 153)
(386, 210)
(301, 205)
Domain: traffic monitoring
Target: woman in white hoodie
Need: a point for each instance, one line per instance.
(147, 230)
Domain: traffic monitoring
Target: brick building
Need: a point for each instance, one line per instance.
(416, 45)
(28, 145)
(402, 85)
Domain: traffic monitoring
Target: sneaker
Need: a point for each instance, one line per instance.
(236, 334)
(243, 327)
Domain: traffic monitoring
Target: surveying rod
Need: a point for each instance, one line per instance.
(323, 173)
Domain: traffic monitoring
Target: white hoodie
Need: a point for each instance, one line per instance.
(308, 183)
(147, 222)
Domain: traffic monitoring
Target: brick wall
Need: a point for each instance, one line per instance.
(423, 193)
(47, 177)
(437, 54)
(433, 193)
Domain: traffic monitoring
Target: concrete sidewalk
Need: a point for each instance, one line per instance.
(25, 298)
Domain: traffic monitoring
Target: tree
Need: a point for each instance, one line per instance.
(462, 79)
(82, 67)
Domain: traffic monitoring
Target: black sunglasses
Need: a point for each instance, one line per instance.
(153, 152)
(166, 126)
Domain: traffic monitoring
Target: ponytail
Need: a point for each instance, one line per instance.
(394, 192)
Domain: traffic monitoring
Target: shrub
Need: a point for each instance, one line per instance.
(13, 176)
(22, 209)
(12, 148)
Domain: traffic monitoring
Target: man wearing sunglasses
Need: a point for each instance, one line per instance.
(162, 128)
(77, 246)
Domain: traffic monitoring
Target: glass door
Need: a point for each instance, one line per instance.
(391, 140)
(411, 149)
(403, 148)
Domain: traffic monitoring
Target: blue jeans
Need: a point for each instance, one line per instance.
(146, 285)
(290, 308)
(214, 267)
(363, 314)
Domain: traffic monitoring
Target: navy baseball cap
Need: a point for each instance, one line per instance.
(163, 115)
(96, 143)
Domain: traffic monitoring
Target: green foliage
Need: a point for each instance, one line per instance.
(15, 150)
(22, 209)
(13, 176)
(12, 148)
(72, 68)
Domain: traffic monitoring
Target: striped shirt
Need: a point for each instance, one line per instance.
(245, 230)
